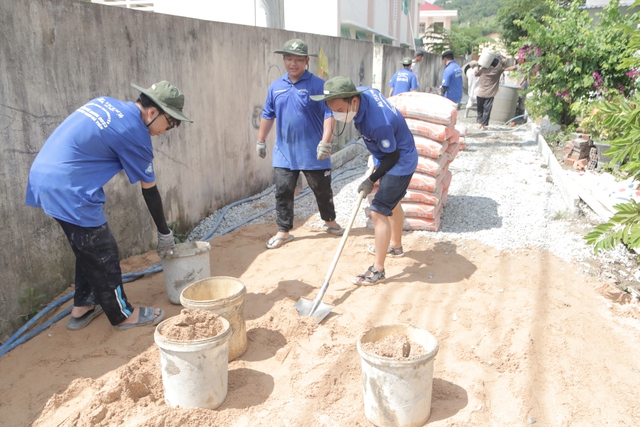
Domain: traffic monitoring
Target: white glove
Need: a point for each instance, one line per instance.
(323, 151)
(261, 149)
(166, 244)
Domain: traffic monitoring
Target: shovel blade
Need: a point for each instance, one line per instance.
(304, 307)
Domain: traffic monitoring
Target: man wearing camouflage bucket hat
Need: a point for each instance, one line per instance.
(403, 80)
(66, 180)
(303, 140)
(387, 136)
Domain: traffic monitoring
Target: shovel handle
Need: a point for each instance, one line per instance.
(343, 241)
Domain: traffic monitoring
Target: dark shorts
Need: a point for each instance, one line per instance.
(392, 189)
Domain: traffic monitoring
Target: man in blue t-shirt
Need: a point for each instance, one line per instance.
(94, 143)
(451, 78)
(303, 141)
(387, 136)
(403, 80)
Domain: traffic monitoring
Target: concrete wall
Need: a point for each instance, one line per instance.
(58, 54)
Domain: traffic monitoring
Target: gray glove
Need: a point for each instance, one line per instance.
(261, 149)
(323, 151)
(366, 186)
(166, 244)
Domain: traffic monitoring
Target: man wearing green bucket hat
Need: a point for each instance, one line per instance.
(403, 80)
(303, 140)
(388, 138)
(93, 144)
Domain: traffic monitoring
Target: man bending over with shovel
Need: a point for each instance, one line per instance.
(94, 143)
(387, 137)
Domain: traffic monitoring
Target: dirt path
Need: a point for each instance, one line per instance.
(522, 336)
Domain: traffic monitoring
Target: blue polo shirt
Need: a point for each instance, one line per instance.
(94, 143)
(384, 130)
(403, 81)
(452, 79)
(299, 122)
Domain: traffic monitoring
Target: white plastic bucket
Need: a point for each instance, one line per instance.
(189, 263)
(486, 58)
(194, 373)
(224, 296)
(397, 393)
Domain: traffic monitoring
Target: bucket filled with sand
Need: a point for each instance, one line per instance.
(194, 348)
(397, 375)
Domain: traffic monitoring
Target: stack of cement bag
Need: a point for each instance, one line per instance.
(431, 119)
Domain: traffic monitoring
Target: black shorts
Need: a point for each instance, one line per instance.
(392, 190)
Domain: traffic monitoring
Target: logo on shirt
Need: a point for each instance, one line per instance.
(149, 169)
(385, 143)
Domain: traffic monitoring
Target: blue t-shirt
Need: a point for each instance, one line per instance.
(384, 130)
(94, 143)
(299, 122)
(452, 79)
(403, 81)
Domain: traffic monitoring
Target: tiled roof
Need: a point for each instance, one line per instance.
(429, 6)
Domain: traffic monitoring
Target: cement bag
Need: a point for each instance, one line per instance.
(424, 182)
(430, 148)
(421, 223)
(425, 197)
(431, 166)
(452, 151)
(420, 210)
(426, 106)
(455, 137)
(433, 131)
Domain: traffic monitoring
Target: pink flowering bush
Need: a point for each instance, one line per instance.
(573, 60)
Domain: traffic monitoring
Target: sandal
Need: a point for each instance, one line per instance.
(76, 323)
(338, 231)
(147, 316)
(370, 277)
(391, 252)
(276, 242)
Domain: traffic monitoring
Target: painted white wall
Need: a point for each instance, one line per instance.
(312, 16)
(355, 11)
(235, 12)
(382, 22)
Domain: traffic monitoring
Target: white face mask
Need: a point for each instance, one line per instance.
(344, 117)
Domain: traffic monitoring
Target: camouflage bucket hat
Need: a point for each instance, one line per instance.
(407, 61)
(168, 97)
(295, 47)
(337, 87)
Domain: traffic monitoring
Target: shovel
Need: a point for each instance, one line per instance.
(317, 308)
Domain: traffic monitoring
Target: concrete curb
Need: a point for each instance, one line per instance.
(565, 184)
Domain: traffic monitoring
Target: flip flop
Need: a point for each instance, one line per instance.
(276, 242)
(338, 231)
(76, 323)
(147, 317)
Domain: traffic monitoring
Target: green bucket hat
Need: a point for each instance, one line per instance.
(407, 61)
(337, 87)
(168, 97)
(295, 47)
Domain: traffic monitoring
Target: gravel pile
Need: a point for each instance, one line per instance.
(502, 195)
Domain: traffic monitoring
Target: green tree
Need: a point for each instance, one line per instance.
(572, 59)
(513, 12)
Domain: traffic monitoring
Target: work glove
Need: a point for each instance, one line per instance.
(166, 244)
(366, 186)
(261, 149)
(323, 151)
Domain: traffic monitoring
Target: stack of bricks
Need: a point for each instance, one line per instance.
(577, 151)
(431, 119)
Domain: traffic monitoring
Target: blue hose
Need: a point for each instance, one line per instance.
(16, 339)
